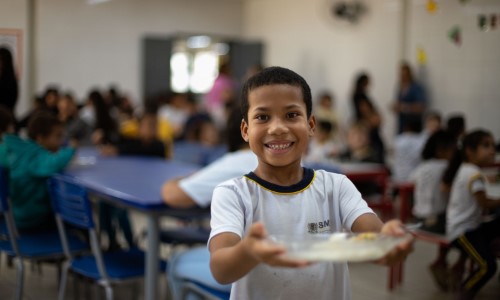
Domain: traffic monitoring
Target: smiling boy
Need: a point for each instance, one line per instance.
(281, 197)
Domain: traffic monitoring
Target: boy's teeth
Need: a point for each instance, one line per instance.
(279, 147)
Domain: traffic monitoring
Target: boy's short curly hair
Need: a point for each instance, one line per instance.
(42, 123)
(275, 75)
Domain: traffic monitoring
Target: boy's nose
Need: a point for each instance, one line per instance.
(277, 127)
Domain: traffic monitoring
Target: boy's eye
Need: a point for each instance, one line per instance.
(292, 115)
(262, 117)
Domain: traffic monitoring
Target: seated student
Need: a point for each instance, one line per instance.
(45, 102)
(322, 147)
(176, 109)
(407, 149)
(146, 144)
(200, 128)
(430, 199)
(358, 145)
(432, 123)
(465, 226)
(130, 128)
(197, 189)
(30, 162)
(74, 127)
(282, 197)
(326, 111)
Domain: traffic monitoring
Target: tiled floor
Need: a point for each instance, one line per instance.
(369, 281)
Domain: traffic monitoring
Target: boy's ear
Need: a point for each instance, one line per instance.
(244, 130)
(312, 125)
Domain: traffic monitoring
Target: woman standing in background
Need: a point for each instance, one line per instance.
(410, 98)
(8, 80)
(366, 112)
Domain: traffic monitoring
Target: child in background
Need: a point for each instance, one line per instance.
(146, 144)
(326, 111)
(358, 145)
(30, 162)
(432, 123)
(97, 115)
(322, 147)
(200, 128)
(407, 149)
(176, 109)
(430, 199)
(288, 198)
(468, 202)
(74, 127)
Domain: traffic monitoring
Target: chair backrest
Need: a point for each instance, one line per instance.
(70, 201)
(10, 227)
(71, 204)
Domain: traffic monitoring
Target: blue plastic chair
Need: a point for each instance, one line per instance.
(189, 273)
(71, 205)
(33, 246)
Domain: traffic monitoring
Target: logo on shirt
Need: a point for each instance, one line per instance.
(319, 227)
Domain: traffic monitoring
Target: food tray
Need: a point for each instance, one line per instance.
(339, 246)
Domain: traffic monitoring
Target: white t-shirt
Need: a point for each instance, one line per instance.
(321, 202)
(407, 151)
(464, 213)
(428, 197)
(201, 184)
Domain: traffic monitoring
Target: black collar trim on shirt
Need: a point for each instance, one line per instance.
(306, 181)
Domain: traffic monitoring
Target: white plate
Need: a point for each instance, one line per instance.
(339, 246)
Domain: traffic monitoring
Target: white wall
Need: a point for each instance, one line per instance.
(13, 16)
(302, 36)
(462, 78)
(80, 46)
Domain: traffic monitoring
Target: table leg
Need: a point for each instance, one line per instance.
(152, 259)
(405, 207)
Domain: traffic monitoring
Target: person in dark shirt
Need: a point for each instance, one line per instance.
(147, 144)
(8, 82)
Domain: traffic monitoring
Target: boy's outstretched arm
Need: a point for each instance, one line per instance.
(231, 258)
(371, 223)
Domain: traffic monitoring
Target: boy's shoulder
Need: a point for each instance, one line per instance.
(328, 175)
(235, 181)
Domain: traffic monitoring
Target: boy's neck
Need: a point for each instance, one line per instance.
(283, 176)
